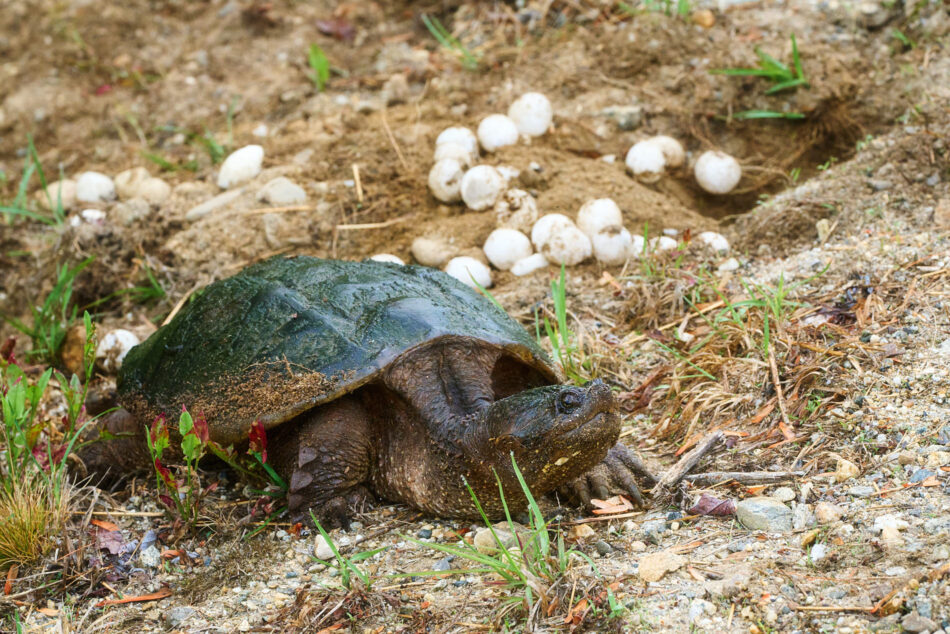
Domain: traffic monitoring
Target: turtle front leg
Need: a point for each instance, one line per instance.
(616, 474)
(326, 456)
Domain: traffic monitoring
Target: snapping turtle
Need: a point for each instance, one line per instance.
(374, 378)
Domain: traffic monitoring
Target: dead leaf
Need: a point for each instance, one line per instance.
(155, 596)
(332, 628)
(11, 575)
(103, 524)
(711, 505)
(111, 541)
(576, 615)
(610, 506)
(50, 612)
(340, 28)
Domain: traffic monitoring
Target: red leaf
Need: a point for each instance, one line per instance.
(201, 428)
(340, 28)
(159, 430)
(164, 474)
(709, 505)
(11, 575)
(103, 89)
(257, 440)
(6, 350)
(104, 525)
(166, 500)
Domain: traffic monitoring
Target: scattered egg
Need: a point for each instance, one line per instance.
(94, 187)
(93, 216)
(516, 209)
(717, 172)
(241, 165)
(637, 244)
(432, 252)
(508, 172)
(387, 257)
(545, 224)
(445, 180)
(504, 247)
(731, 264)
(715, 240)
(481, 187)
(460, 136)
(469, 271)
(566, 244)
(530, 264)
(673, 152)
(646, 161)
(531, 113)
(663, 243)
(612, 246)
(596, 215)
(454, 151)
(496, 131)
(113, 347)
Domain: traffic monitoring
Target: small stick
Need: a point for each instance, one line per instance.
(677, 472)
(372, 225)
(395, 145)
(829, 608)
(123, 513)
(275, 210)
(787, 427)
(604, 518)
(674, 324)
(359, 184)
(711, 478)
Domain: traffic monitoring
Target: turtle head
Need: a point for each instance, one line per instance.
(555, 434)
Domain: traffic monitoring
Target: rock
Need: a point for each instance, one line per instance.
(889, 526)
(582, 531)
(424, 533)
(177, 615)
(127, 182)
(626, 117)
(485, 542)
(603, 548)
(396, 90)
(150, 557)
(129, 212)
(432, 252)
(920, 475)
(845, 470)
(764, 514)
(784, 494)
(729, 265)
(826, 512)
(60, 192)
(72, 351)
(914, 622)
(731, 584)
(282, 191)
(155, 191)
(94, 187)
(942, 214)
(241, 165)
(818, 552)
(638, 546)
(321, 549)
(906, 458)
(861, 491)
(443, 564)
(938, 459)
(655, 565)
(205, 208)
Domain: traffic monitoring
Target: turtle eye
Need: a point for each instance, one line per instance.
(569, 400)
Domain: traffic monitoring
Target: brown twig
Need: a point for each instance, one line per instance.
(392, 140)
(711, 478)
(372, 225)
(787, 427)
(664, 488)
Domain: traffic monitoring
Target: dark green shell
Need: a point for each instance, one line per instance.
(288, 334)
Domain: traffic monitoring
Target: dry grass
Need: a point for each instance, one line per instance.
(30, 515)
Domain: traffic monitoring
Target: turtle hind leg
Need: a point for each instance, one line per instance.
(326, 455)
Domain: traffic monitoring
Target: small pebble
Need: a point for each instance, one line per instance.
(240, 166)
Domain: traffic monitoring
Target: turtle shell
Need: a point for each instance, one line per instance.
(288, 334)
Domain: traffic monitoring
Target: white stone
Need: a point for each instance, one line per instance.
(94, 187)
(154, 190)
(646, 161)
(461, 136)
(454, 151)
(282, 191)
(612, 246)
(60, 192)
(128, 182)
(321, 549)
(717, 172)
(240, 166)
(496, 131)
(728, 266)
(596, 215)
(532, 114)
(516, 209)
(637, 244)
(504, 247)
(260, 131)
(530, 264)
(387, 257)
(545, 224)
(468, 271)
(566, 244)
(715, 240)
(663, 243)
(113, 347)
(431, 251)
(445, 180)
(673, 152)
(481, 187)
(205, 208)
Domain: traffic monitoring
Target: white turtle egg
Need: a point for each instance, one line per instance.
(496, 131)
(516, 209)
(532, 114)
(673, 152)
(504, 247)
(542, 228)
(454, 151)
(715, 240)
(663, 243)
(113, 347)
(612, 246)
(566, 244)
(387, 257)
(717, 172)
(646, 160)
(530, 264)
(460, 136)
(596, 215)
(445, 179)
(637, 244)
(468, 271)
(481, 187)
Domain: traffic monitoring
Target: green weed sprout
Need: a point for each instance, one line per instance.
(319, 67)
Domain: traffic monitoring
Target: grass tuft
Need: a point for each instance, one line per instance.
(450, 43)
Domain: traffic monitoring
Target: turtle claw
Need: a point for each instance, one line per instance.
(337, 512)
(614, 475)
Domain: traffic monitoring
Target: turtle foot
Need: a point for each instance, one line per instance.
(616, 474)
(337, 512)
